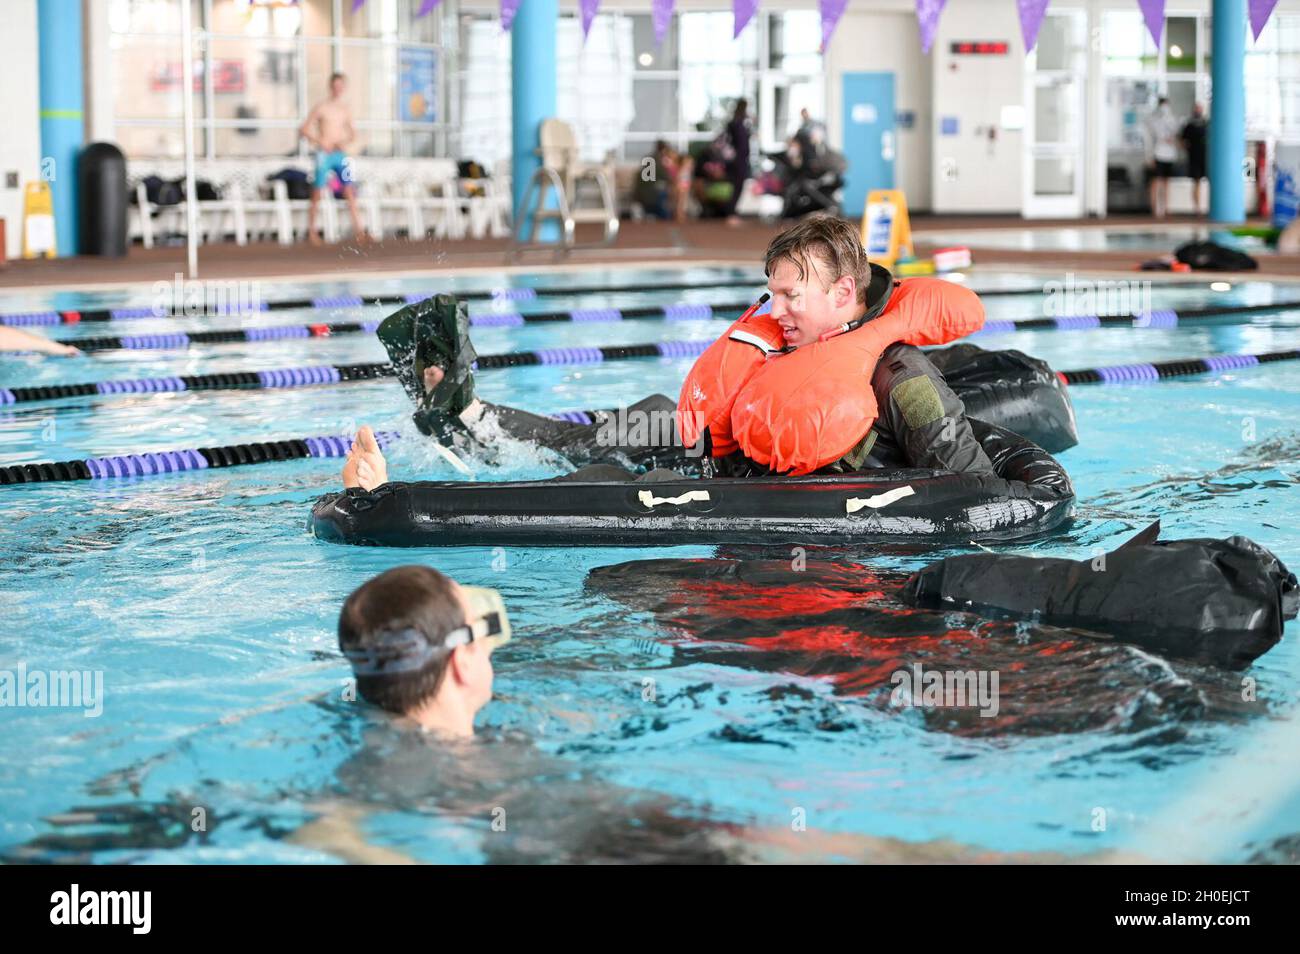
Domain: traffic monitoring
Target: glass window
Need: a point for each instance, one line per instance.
(151, 16)
(1127, 43)
(317, 16)
(254, 79)
(654, 105)
(371, 73)
(1058, 46)
(241, 18)
(706, 38)
(794, 41)
(1054, 175)
(1180, 44)
(417, 29)
(376, 19)
(648, 54)
(147, 78)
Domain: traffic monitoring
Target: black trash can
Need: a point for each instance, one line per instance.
(101, 200)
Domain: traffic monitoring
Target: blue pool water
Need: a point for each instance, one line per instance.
(621, 728)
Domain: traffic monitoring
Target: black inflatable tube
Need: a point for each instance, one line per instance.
(1013, 390)
(1031, 495)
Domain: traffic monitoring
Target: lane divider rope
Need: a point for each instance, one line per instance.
(201, 458)
(1156, 318)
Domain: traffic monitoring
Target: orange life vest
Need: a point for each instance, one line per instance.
(797, 411)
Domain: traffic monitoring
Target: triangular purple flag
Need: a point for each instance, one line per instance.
(587, 10)
(743, 11)
(832, 10)
(1031, 20)
(1260, 11)
(1153, 11)
(661, 12)
(357, 5)
(508, 10)
(426, 7)
(927, 16)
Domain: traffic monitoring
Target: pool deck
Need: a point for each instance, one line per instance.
(642, 244)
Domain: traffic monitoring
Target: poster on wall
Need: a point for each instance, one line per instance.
(417, 85)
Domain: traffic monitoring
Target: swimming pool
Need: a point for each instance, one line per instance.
(660, 724)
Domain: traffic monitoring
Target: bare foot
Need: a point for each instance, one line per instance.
(433, 376)
(365, 467)
(313, 238)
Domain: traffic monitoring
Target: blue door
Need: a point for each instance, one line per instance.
(868, 137)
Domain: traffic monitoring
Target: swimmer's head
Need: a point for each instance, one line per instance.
(338, 83)
(404, 633)
(817, 274)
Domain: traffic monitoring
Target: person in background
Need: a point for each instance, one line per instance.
(738, 163)
(15, 339)
(664, 189)
(1162, 152)
(329, 130)
(1193, 137)
(810, 130)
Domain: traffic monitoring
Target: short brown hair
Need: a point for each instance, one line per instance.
(833, 243)
(404, 598)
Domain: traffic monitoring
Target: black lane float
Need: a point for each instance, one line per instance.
(1031, 495)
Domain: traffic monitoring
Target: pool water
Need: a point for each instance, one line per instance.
(639, 716)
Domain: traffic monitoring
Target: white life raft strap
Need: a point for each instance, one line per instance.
(648, 498)
(854, 504)
(754, 340)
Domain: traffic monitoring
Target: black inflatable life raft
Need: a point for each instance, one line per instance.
(1031, 495)
(1217, 601)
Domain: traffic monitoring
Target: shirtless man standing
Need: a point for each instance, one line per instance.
(328, 127)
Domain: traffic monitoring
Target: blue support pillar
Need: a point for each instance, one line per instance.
(62, 96)
(532, 91)
(1227, 145)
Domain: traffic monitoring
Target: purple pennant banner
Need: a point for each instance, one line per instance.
(587, 9)
(927, 16)
(743, 11)
(832, 10)
(661, 12)
(357, 5)
(1153, 11)
(1260, 11)
(1031, 19)
(508, 10)
(426, 7)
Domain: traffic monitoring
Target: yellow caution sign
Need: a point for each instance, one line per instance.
(886, 230)
(38, 220)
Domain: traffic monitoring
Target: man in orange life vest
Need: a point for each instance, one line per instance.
(829, 380)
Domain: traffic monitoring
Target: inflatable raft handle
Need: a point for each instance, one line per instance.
(650, 500)
(854, 504)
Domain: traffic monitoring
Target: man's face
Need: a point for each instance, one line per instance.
(337, 86)
(807, 308)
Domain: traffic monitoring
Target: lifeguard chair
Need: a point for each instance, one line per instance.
(555, 190)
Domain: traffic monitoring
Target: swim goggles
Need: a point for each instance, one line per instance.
(396, 651)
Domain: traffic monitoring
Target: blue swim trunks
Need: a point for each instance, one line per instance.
(335, 162)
